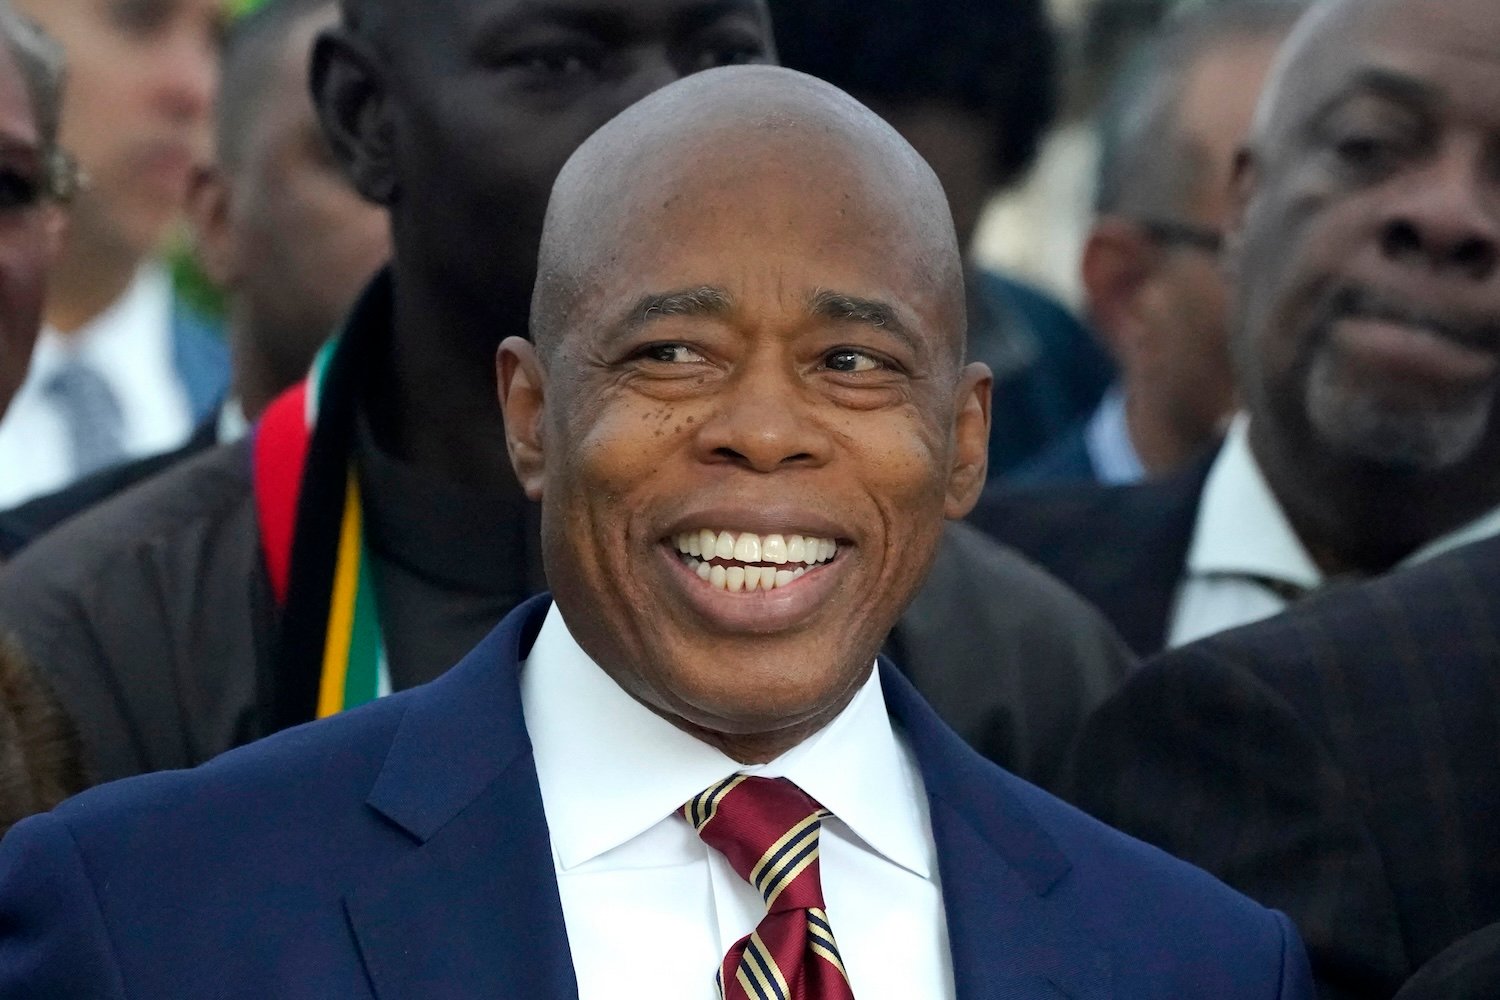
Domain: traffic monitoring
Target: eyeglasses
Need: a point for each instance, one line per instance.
(1170, 233)
(25, 182)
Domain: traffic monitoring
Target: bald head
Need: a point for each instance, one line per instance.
(755, 152)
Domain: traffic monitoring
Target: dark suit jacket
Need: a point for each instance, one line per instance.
(1065, 460)
(1340, 762)
(1467, 970)
(34, 518)
(1122, 547)
(400, 851)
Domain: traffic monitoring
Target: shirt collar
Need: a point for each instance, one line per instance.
(1107, 439)
(610, 769)
(1241, 528)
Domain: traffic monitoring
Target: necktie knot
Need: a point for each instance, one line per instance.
(767, 829)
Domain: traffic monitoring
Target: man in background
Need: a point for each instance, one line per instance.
(1150, 266)
(973, 87)
(121, 369)
(1366, 295)
(279, 229)
(1338, 761)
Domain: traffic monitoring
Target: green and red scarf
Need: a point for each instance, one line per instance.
(311, 521)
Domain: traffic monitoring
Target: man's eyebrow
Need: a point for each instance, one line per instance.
(1383, 83)
(595, 17)
(840, 307)
(704, 300)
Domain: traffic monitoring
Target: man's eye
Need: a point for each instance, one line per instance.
(553, 63)
(1364, 151)
(734, 55)
(851, 361)
(671, 354)
(17, 191)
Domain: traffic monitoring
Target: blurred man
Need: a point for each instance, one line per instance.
(370, 531)
(280, 230)
(1338, 761)
(689, 777)
(1366, 301)
(121, 369)
(972, 87)
(1150, 265)
(35, 176)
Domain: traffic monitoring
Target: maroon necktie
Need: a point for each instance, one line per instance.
(768, 831)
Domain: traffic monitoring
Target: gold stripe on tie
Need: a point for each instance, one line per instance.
(758, 972)
(820, 940)
(764, 874)
(701, 808)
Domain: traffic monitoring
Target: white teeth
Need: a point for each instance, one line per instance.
(798, 552)
(747, 548)
(724, 547)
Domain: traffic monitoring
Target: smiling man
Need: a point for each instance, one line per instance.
(748, 323)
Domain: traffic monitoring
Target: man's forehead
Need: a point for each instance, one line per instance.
(473, 16)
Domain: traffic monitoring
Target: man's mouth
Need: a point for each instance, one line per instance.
(744, 562)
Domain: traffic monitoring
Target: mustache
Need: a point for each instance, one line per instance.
(1361, 302)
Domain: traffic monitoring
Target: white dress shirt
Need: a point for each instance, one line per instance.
(1243, 532)
(651, 910)
(130, 346)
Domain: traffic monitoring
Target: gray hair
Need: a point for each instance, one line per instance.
(42, 66)
(1146, 166)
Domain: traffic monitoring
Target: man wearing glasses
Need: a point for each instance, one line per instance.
(1150, 264)
(35, 176)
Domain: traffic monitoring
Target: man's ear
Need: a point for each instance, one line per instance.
(352, 99)
(208, 211)
(1118, 258)
(523, 392)
(971, 438)
(1242, 185)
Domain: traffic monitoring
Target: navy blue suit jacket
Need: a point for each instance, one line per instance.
(400, 851)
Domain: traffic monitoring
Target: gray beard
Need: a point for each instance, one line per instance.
(1352, 420)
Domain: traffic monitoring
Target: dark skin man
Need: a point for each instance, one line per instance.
(783, 367)
(456, 119)
(1368, 269)
(494, 116)
(766, 369)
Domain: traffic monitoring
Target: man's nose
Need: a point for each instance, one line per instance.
(764, 420)
(187, 75)
(1446, 219)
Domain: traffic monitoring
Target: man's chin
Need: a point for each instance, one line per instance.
(1415, 433)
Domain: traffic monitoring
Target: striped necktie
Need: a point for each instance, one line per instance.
(91, 413)
(768, 831)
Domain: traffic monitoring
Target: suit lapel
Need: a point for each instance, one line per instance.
(473, 910)
(1011, 927)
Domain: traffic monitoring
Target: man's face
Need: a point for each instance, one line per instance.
(142, 77)
(751, 437)
(28, 228)
(493, 96)
(1184, 302)
(303, 242)
(1368, 324)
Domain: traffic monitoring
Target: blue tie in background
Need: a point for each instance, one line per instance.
(92, 413)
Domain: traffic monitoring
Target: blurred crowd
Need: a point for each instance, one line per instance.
(1232, 586)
